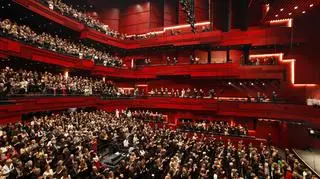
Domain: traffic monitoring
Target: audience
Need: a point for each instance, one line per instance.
(262, 61)
(216, 127)
(23, 82)
(54, 43)
(66, 146)
(188, 7)
(82, 17)
(313, 102)
(164, 92)
(146, 116)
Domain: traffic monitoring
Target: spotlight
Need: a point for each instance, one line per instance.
(281, 9)
(229, 83)
(295, 7)
(311, 5)
(290, 13)
(241, 84)
(303, 12)
(311, 131)
(263, 84)
(252, 84)
(276, 15)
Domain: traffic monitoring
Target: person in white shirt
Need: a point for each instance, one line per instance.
(7, 168)
(183, 93)
(117, 113)
(126, 143)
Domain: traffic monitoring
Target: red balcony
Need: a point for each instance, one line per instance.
(254, 36)
(288, 112)
(50, 14)
(227, 70)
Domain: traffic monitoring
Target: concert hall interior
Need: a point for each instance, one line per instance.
(191, 89)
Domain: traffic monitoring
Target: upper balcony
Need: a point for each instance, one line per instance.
(254, 36)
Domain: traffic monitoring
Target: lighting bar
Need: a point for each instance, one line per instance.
(142, 85)
(280, 21)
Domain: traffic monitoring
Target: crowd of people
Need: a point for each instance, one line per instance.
(142, 115)
(313, 102)
(216, 127)
(183, 93)
(21, 82)
(262, 61)
(65, 146)
(188, 8)
(44, 40)
(69, 11)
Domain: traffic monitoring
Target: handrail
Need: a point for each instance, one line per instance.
(305, 163)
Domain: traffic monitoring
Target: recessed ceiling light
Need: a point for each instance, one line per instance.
(303, 12)
(281, 9)
(290, 13)
(295, 7)
(276, 15)
(311, 5)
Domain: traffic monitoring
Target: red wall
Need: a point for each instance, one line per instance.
(307, 54)
(156, 13)
(201, 8)
(170, 13)
(135, 18)
(287, 135)
(111, 17)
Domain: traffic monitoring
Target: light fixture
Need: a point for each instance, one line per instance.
(295, 7)
(240, 84)
(276, 15)
(290, 13)
(303, 12)
(252, 84)
(229, 83)
(281, 9)
(263, 84)
(311, 5)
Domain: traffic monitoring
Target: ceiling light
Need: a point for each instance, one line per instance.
(240, 84)
(229, 83)
(252, 84)
(281, 9)
(276, 15)
(311, 5)
(303, 12)
(290, 13)
(295, 7)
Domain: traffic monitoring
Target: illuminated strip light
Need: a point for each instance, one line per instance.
(126, 88)
(280, 21)
(142, 85)
(292, 67)
(172, 28)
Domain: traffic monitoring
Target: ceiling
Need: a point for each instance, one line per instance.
(284, 9)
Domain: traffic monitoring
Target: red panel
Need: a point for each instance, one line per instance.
(170, 13)
(201, 8)
(135, 18)
(111, 17)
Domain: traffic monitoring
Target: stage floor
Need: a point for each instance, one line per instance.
(311, 157)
